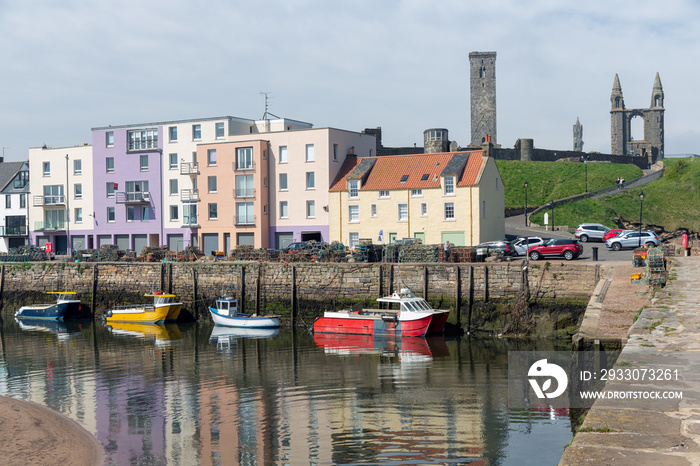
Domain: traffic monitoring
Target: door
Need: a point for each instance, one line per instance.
(122, 242)
(176, 242)
(283, 240)
(210, 243)
(246, 239)
(454, 237)
(392, 238)
(140, 242)
(420, 236)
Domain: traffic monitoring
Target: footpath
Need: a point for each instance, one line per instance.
(665, 339)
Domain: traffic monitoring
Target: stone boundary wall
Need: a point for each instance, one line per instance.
(322, 282)
(548, 155)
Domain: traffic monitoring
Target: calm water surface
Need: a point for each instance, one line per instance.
(199, 394)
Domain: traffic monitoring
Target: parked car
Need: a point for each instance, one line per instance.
(521, 245)
(504, 246)
(587, 231)
(295, 246)
(612, 234)
(568, 248)
(633, 239)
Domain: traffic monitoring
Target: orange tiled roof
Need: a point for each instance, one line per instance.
(389, 170)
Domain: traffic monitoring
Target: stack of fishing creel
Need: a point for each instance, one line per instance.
(419, 253)
(154, 254)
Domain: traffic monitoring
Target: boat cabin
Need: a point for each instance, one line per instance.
(160, 298)
(227, 306)
(406, 301)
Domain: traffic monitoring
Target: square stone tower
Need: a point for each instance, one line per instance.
(482, 79)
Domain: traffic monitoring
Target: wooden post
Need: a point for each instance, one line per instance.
(381, 284)
(257, 290)
(470, 298)
(93, 303)
(391, 279)
(195, 308)
(2, 287)
(294, 296)
(170, 278)
(458, 295)
(241, 290)
(425, 282)
(486, 284)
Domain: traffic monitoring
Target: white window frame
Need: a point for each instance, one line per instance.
(143, 162)
(403, 212)
(196, 132)
(310, 205)
(173, 186)
(354, 214)
(172, 133)
(46, 168)
(109, 169)
(384, 194)
(373, 210)
(353, 189)
(211, 157)
(310, 181)
(220, 130)
(284, 209)
(78, 191)
(416, 193)
(447, 206)
(353, 239)
(174, 209)
(109, 139)
(77, 167)
(78, 215)
(172, 161)
(212, 184)
(309, 154)
(283, 154)
(448, 188)
(283, 186)
(112, 214)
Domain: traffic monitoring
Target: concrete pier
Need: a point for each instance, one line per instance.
(664, 339)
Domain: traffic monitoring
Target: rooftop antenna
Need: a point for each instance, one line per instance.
(265, 115)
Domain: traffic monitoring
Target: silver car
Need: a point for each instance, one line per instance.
(633, 239)
(587, 231)
(521, 245)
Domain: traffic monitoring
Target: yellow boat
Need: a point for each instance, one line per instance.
(163, 309)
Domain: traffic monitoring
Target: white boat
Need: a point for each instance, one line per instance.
(226, 313)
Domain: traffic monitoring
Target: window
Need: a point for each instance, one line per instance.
(449, 210)
(283, 181)
(173, 187)
(78, 191)
(265, 182)
(21, 180)
(53, 194)
(142, 139)
(424, 177)
(137, 191)
(189, 214)
(8, 201)
(172, 133)
(404, 178)
(109, 164)
(174, 212)
(211, 184)
(130, 213)
(244, 158)
(22, 201)
(403, 212)
(145, 213)
(309, 152)
(354, 213)
(172, 161)
(310, 209)
(284, 212)
(335, 152)
(416, 193)
(423, 209)
(373, 210)
(46, 168)
(213, 212)
(196, 132)
(384, 194)
(283, 154)
(244, 213)
(483, 209)
(354, 239)
(310, 180)
(110, 214)
(353, 189)
(144, 163)
(449, 186)
(111, 187)
(109, 138)
(220, 130)
(211, 157)
(77, 167)
(244, 186)
(78, 216)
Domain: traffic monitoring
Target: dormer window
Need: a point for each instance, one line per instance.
(353, 189)
(449, 186)
(404, 178)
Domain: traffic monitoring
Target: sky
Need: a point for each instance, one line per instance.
(72, 65)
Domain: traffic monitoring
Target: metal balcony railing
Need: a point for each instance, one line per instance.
(138, 197)
(189, 168)
(189, 195)
(51, 200)
(189, 221)
(14, 231)
(51, 226)
(244, 219)
(244, 167)
(244, 193)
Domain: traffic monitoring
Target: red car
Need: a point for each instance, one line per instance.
(568, 248)
(611, 234)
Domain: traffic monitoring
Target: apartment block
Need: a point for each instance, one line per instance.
(14, 191)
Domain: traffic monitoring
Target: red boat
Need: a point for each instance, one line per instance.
(413, 318)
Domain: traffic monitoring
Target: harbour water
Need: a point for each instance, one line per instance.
(198, 394)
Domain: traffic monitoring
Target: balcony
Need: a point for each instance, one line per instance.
(189, 195)
(187, 168)
(14, 231)
(244, 167)
(244, 219)
(244, 193)
(51, 200)
(138, 197)
(50, 226)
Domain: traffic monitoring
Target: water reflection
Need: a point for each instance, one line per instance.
(216, 396)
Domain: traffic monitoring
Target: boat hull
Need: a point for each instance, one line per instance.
(239, 320)
(437, 325)
(55, 311)
(414, 325)
(142, 314)
(174, 312)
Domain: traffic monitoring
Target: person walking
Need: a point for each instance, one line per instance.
(447, 251)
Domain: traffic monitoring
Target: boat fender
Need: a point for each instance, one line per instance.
(109, 314)
(389, 318)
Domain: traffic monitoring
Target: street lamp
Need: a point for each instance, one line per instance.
(585, 164)
(551, 206)
(641, 205)
(526, 203)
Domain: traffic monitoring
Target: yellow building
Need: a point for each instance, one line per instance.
(455, 196)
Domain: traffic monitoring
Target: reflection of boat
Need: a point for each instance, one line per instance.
(64, 330)
(161, 333)
(406, 349)
(219, 332)
(163, 309)
(67, 306)
(414, 317)
(226, 313)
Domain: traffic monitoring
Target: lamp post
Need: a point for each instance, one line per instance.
(526, 203)
(641, 205)
(551, 206)
(585, 164)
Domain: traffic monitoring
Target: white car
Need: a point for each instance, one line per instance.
(633, 239)
(521, 245)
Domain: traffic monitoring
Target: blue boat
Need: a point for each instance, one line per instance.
(67, 306)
